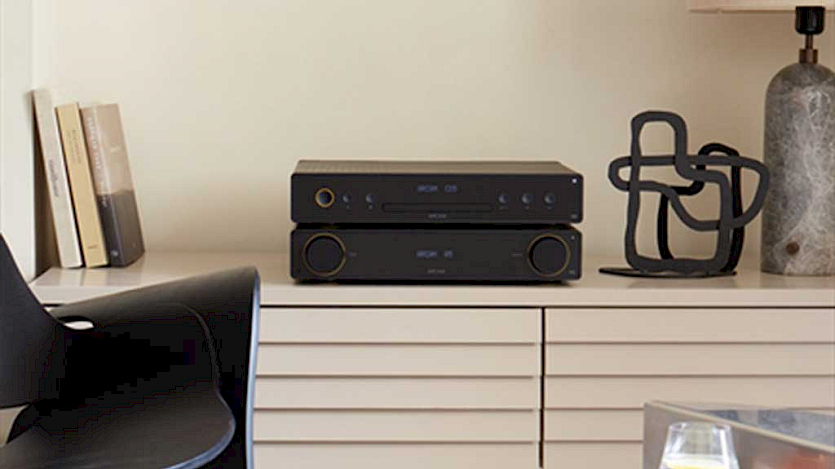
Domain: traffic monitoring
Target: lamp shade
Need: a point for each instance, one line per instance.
(713, 6)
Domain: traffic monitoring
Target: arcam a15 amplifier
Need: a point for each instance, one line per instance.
(436, 192)
(446, 254)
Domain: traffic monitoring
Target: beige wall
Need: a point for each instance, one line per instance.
(220, 98)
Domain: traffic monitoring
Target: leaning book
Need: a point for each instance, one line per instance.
(57, 183)
(81, 186)
(113, 184)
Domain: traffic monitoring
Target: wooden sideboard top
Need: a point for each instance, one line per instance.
(749, 288)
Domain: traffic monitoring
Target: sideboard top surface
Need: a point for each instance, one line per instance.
(749, 288)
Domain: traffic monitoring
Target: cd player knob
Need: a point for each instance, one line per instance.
(548, 255)
(324, 254)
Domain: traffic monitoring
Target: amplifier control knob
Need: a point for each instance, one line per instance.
(324, 254)
(548, 255)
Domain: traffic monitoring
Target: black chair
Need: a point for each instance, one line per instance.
(164, 378)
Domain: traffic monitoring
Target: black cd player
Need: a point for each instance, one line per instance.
(496, 192)
(420, 253)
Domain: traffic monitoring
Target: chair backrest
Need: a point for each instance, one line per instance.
(233, 318)
(32, 343)
(228, 303)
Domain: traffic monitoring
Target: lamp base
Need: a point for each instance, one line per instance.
(798, 224)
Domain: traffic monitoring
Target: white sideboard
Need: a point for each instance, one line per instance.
(472, 376)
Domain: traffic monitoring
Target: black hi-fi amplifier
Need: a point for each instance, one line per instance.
(445, 254)
(436, 192)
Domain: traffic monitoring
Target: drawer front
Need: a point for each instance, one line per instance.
(399, 456)
(603, 365)
(396, 393)
(603, 425)
(633, 392)
(401, 426)
(426, 360)
(576, 425)
(593, 455)
(690, 359)
(392, 326)
(364, 388)
(690, 325)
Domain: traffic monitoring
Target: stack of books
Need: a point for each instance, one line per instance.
(90, 187)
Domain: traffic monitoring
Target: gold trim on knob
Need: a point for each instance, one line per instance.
(540, 238)
(341, 262)
(324, 190)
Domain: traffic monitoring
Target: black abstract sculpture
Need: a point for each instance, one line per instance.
(732, 218)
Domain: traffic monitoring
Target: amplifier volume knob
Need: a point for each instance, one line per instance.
(548, 255)
(324, 254)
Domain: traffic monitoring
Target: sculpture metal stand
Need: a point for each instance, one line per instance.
(732, 218)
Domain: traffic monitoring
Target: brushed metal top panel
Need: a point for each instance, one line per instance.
(432, 167)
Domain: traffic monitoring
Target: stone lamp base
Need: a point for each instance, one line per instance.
(798, 226)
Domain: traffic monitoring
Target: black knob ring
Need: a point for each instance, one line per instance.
(318, 236)
(539, 238)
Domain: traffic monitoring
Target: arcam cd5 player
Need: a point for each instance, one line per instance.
(421, 253)
(496, 192)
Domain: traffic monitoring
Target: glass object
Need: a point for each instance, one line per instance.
(699, 445)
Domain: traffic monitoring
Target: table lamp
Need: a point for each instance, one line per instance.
(798, 224)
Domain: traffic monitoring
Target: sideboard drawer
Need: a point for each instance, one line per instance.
(399, 456)
(745, 359)
(632, 392)
(397, 393)
(363, 358)
(690, 325)
(425, 426)
(428, 360)
(399, 387)
(593, 455)
(406, 325)
(572, 425)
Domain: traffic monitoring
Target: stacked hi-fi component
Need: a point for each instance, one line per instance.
(442, 221)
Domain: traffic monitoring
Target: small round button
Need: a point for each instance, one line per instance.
(548, 255)
(324, 254)
(346, 197)
(550, 198)
(369, 198)
(527, 198)
(504, 198)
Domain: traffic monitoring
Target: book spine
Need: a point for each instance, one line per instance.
(57, 183)
(101, 181)
(81, 185)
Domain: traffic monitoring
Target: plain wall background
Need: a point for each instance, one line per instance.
(220, 98)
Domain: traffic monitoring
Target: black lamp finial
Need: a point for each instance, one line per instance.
(809, 22)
